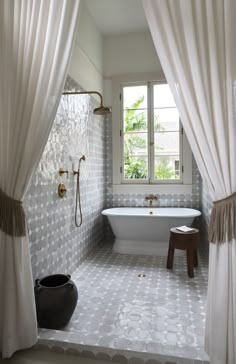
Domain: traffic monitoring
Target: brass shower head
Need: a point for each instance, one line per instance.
(101, 110)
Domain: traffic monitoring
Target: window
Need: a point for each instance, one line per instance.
(151, 135)
(143, 135)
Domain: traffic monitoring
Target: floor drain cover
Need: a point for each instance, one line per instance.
(141, 275)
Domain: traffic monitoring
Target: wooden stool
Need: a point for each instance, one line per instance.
(185, 241)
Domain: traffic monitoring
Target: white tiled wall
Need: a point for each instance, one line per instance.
(56, 244)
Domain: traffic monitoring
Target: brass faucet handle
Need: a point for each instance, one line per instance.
(62, 171)
(151, 197)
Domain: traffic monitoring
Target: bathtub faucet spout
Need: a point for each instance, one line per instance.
(151, 198)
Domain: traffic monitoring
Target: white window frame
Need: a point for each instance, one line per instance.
(150, 116)
(140, 186)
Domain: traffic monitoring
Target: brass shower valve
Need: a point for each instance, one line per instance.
(61, 190)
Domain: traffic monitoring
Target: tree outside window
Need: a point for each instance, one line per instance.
(150, 134)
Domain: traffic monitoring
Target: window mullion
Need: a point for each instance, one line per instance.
(181, 132)
(122, 135)
(150, 132)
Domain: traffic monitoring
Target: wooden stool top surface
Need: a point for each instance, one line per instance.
(176, 231)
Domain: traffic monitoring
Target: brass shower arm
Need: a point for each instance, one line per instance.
(101, 110)
(84, 93)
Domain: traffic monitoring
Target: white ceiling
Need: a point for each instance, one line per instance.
(118, 16)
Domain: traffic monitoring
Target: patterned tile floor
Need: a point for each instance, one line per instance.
(161, 312)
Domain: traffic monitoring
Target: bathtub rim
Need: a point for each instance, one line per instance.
(111, 212)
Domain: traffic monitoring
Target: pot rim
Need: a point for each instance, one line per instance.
(38, 282)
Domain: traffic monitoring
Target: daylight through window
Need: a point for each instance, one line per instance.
(151, 134)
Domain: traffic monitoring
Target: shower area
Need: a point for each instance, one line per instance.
(130, 308)
(57, 245)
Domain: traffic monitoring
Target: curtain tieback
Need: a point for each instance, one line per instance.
(12, 216)
(222, 226)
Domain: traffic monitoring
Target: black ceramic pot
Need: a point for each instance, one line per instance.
(56, 298)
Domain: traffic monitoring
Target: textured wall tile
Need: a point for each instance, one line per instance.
(56, 244)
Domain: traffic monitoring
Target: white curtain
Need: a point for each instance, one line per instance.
(195, 44)
(36, 39)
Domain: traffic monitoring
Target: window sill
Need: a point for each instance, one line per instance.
(160, 189)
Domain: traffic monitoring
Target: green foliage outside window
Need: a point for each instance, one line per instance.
(164, 170)
(134, 121)
(134, 167)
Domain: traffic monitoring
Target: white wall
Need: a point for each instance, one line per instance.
(128, 54)
(86, 66)
(96, 59)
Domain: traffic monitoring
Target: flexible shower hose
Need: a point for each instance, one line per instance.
(77, 199)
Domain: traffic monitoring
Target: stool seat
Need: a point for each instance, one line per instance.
(185, 241)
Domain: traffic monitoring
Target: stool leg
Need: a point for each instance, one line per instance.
(170, 257)
(195, 259)
(190, 263)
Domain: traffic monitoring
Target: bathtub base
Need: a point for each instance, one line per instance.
(145, 231)
(142, 247)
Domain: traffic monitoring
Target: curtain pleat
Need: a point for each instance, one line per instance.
(36, 39)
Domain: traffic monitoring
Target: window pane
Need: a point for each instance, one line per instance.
(167, 143)
(135, 144)
(136, 167)
(167, 167)
(138, 134)
(135, 97)
(135, 128)
(163, 96)
(135, 120)
(166, 119)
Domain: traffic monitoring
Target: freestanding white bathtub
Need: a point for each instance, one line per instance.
(143, 230)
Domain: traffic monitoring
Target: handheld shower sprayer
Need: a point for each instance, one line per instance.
(81, 159)
(77, 199)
